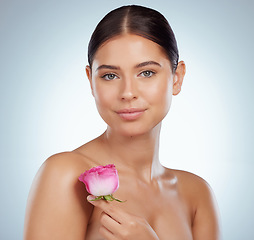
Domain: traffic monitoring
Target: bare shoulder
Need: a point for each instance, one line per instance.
(192, 183)
(57, 206)
(70, 161)
(62, 169)
(193, 187)
(206, 219)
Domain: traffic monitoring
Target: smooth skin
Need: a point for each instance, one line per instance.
(161, 203)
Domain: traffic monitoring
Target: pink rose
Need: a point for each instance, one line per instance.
(101, 180)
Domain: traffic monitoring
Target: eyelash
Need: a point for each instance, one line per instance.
(148, 71)
(105, 76)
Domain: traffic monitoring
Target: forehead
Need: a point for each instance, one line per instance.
(129, 49)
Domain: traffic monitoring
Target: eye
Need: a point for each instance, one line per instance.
(109, 76)
(147, 73)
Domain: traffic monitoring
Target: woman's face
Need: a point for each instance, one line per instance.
(131, 81)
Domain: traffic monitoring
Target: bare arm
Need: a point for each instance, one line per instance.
(206, 224)
(57, 206)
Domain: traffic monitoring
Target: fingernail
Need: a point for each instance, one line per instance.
(90, 197)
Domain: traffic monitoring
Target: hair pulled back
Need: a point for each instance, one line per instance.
(138, 20)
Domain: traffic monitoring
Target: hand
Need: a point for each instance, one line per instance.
(117, 224)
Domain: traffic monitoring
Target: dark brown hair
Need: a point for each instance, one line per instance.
(138, 20)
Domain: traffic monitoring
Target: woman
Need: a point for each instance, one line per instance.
(133, 72)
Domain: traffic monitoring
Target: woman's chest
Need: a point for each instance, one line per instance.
(167, 214)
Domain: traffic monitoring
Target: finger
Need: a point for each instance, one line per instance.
(109, 223)
(110, 208)
(106, 234)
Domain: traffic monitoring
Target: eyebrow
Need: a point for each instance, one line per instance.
(107, 67)
(143, 64)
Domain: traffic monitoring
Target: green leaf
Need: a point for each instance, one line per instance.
(117, 199)
(108, 197)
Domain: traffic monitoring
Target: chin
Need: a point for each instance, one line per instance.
(135, 131)
(135, 128)
(132, 134)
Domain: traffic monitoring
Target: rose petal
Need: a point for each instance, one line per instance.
(101, 180)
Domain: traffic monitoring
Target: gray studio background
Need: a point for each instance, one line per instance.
(46, 105)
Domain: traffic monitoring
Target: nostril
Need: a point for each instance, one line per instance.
(128, 89)
(128, 96)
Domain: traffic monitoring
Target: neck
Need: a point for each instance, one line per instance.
(138, 154)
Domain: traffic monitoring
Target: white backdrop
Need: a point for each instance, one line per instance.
(46, 105)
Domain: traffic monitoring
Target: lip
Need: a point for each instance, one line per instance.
(130, 114)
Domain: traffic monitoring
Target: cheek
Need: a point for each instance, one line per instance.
(103, 96)
(103, 100)
(165, 101)
(161, 94)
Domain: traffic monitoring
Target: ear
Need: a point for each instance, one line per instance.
(89, 76)
(178, 77)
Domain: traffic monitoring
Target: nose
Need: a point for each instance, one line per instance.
(128, 89)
